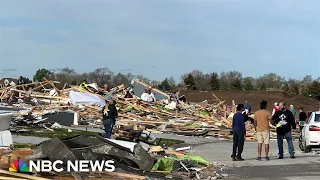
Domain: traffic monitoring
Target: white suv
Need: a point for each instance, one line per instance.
(310, 134)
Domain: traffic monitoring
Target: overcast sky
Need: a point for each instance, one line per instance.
(161, 38)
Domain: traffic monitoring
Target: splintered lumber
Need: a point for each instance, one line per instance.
(89, 178)
(11, 178)
(124, 175)
(227, 123)
(219, 104)
(153, 89)
(41, 86)
(52, 84)
(37, 95)
(216, 97)
(76, 176)
(156, 149)
(173, 152)
(22, 175)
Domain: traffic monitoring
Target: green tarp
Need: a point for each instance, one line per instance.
(167, 163)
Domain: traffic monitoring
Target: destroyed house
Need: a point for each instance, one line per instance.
(6, 82)
(138, 88)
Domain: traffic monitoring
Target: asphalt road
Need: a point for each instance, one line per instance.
(304, 167)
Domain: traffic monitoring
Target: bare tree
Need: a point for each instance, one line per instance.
(271, 80)
(231, 80)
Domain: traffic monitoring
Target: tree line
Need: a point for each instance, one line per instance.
(195, 80)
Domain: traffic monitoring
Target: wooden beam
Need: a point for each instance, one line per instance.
(39, 96)
(11, 178)
(124, 175)
(154, 89)
(22, 175)
(52, 84)
(28, 84)
(41, 86)
(216, 97)
(76, 176)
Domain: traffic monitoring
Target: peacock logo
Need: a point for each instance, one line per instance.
(18, 166)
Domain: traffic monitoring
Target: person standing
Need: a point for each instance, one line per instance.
(110, 113)
(275, 108)
(128, 94)
(285, 123)
(261, 125)
(293, 110)
(247, 107)
(152, 97)
(145, 95)
(239, 133)
(83, 86)
(302, 117)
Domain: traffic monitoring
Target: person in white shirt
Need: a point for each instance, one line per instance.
(145, 95)
(148, 96)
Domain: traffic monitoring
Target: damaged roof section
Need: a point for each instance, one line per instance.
(92, 147)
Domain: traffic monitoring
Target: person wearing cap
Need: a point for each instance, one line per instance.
(110, 113)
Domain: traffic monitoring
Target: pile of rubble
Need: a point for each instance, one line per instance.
(167, 114)
(131, 160)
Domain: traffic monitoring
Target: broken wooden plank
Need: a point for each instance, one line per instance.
(124, 175)
(156, 149)
(22, 175)
(52, 84)
(11, 178)
(76, 176)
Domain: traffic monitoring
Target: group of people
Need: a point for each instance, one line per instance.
(281, 117)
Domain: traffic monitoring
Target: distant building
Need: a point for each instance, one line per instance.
(6, 82)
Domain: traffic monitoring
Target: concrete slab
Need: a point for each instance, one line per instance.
(28, 139)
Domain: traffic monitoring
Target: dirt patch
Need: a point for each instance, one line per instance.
(254, 98)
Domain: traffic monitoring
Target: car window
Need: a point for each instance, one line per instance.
(317, 118)
(308, 119)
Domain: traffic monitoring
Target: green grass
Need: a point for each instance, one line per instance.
(17, 146)
(167, 142)
(58, 133)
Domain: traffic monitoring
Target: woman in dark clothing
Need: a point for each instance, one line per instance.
(110, 114)
(302, 117)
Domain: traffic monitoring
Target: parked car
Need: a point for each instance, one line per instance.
(310, 135)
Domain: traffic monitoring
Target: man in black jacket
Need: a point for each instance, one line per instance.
(284, 121)
(110, 114)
